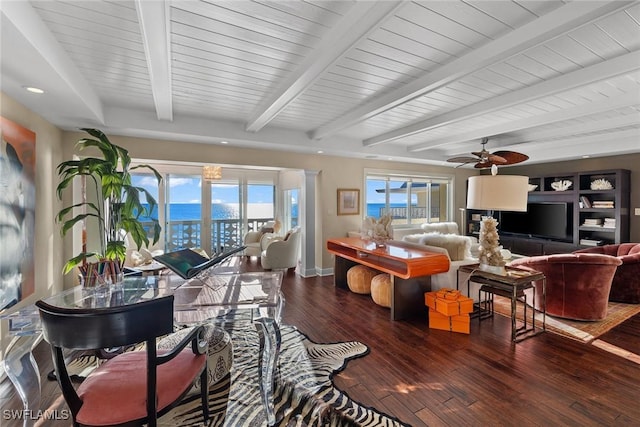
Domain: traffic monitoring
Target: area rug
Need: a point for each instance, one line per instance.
(574, 329)
(304, 393)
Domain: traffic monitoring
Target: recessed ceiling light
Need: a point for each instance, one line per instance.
(586, 156)
(224, 142)
(34, 89)
(319, 151)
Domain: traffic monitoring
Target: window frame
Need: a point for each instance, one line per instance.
(397, 175)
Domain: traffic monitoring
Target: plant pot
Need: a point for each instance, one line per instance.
(102, 273)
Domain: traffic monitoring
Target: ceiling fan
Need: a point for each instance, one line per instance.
(484, 159)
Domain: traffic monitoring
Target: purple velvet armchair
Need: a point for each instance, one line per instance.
(577, 285)
(626, 282)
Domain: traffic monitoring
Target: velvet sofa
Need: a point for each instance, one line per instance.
(626, 282)
(577, 284)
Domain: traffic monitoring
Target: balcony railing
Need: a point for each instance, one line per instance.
(417, 212)
(225, 233)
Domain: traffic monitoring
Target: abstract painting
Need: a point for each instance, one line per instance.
(17, 212)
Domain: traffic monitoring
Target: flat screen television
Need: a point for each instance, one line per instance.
(549, 220)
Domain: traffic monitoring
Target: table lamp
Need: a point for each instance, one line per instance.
(495, 193)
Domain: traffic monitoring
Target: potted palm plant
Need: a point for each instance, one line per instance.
(118, 209)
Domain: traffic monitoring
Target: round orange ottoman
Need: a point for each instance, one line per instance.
(359, 279)
(381, 289)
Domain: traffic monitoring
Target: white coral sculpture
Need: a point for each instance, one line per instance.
(489, 243)
(378, 229)
(601, 184)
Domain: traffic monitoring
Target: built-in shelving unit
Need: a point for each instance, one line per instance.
(600, 208)
(603, 203)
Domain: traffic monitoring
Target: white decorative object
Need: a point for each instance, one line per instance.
(563, 185)
(532, 187)
(491, 259)
(378, 230)
(601, 184)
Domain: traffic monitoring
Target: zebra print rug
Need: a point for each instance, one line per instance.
(304, 395)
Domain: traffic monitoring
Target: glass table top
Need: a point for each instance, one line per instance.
(205, 294)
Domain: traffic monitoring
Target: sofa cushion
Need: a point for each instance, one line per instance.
(440, 227)
(458, 247)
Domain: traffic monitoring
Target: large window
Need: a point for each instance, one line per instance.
(212, 215)
(410, 199)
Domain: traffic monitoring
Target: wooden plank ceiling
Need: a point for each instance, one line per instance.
(419, 81)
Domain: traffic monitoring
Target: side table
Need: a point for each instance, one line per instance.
(513, 285)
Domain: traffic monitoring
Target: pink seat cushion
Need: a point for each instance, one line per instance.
(116, 392)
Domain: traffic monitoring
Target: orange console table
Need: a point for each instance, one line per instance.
(410, 268)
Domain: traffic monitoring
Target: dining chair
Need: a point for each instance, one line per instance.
(134, 387)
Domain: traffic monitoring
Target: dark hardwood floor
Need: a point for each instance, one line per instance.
(431, 377)
(625, 335)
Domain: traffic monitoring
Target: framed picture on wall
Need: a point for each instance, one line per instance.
(17, 212)
(348, 201)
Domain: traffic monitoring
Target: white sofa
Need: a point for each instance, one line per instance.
(436, 227)
(456, 247)
(431, 227)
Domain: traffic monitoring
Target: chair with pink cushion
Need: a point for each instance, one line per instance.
(577, 285)
(133, 387)
(626, 282)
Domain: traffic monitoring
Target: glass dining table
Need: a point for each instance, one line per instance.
(203, 298)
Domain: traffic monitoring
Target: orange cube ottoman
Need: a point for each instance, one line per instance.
(448, 302)
(458, 323)
(449, 310)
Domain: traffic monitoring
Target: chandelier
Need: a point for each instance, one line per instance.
(211, 173)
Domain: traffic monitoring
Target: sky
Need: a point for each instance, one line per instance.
(188, 190)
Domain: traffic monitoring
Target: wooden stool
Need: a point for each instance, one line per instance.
(381, 289)
(359, 279)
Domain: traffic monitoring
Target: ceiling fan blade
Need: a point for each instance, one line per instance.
(497, 159)
(483, 165)
(462, 160)
(511, 157)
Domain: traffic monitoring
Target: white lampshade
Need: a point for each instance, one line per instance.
(211, 173)
(498, 192)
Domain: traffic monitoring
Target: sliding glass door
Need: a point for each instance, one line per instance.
(183, 208)
(260, 206)
(226, 221)
(211, 215)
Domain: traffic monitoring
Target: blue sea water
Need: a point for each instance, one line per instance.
(191, 211)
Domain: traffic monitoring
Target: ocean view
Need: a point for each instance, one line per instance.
(192, 211)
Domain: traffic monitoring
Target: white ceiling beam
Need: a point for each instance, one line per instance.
(534, 138)
(601, 71)
(153, 17)
(360, 21)
(543, 29)
(625, 141)
(608, 124)
(623, 101)
(37, 33)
